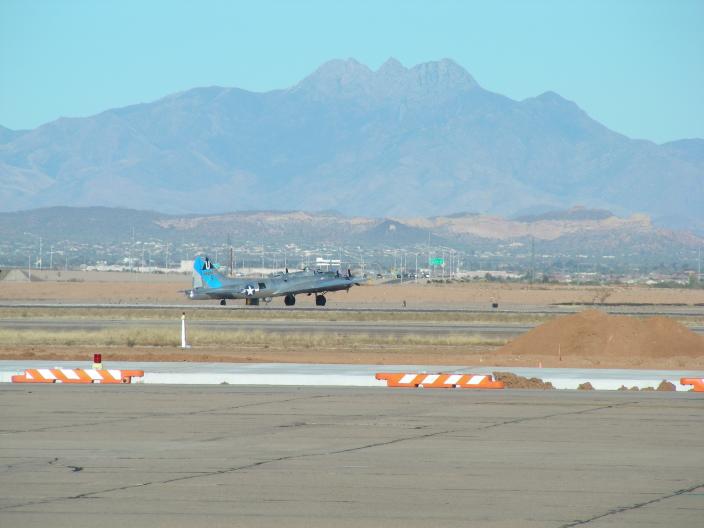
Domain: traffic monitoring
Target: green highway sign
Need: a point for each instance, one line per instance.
(437, 262)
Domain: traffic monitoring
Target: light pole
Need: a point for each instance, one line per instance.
(400, 265)
(40, 247)
(443, 264)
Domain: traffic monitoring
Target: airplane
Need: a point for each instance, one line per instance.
(209, 283)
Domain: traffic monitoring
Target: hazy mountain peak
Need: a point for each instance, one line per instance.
(337, 76)
(444, 73)
(336, 68)
(392, 67)
(551, 98)
(349, 77)
(691, 149)
(553, 104)
(7, 134)
(405, 141)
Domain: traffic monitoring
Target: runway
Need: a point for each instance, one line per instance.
(469, 308)
(499, 330)
(302, 456)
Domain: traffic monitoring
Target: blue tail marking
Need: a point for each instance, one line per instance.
(206, 269)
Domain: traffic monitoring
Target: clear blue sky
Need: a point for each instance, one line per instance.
(636, 66)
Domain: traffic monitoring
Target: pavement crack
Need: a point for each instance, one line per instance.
(623, 509)
(94, 494)
(159, 415)
(390, 442)
(553, 415)
(225, 471)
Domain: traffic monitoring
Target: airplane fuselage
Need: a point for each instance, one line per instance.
(306, 282)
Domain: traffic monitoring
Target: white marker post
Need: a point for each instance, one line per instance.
(183, 331)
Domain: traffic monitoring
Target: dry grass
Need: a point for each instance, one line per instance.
(165, 337)
(262, 314)
(195, 313)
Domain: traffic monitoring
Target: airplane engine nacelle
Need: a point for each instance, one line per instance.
(196, 296)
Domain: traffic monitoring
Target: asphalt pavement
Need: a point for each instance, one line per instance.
(499, 330)
(469, 308)
(140, 455)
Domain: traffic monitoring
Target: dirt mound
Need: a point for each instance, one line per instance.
(512, 381)
(593, 333)
(666, 386)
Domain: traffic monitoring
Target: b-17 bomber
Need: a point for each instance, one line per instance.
(209, 283)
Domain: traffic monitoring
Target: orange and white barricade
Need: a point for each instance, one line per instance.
(440, 381)
(697, 383)
(77, 375)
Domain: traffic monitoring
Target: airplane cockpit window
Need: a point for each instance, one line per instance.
(262, 286)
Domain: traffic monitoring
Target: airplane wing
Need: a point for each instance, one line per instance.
(318, 284)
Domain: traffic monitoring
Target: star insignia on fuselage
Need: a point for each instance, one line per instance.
(249, 290)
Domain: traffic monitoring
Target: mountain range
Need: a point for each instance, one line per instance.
(395, 142)
(569, 232)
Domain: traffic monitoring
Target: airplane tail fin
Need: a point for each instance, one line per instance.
(205, 274)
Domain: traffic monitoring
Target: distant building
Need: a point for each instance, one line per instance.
(327, 263)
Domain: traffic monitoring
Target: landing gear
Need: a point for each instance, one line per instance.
(290, 300)
(320, 300)
(222, 302)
